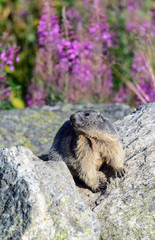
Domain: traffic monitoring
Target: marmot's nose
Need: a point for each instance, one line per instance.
(72, 118)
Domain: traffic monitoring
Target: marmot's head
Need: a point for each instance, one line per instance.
(91, 124)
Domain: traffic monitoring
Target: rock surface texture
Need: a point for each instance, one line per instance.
(39, 200)
(126, 209)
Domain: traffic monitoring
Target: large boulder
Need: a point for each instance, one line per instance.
(39, 200)
(126, 208)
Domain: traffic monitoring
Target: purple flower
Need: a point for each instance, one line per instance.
(140, 67)
(8, 56)
(153, 22)
(132, 4)
(68, 53)
(141, 74)
(48, 29)
(137, 24)
(99, 31)
(12, 68)
(73, 14)
(82, 74)
(36, 95)
(122, 96)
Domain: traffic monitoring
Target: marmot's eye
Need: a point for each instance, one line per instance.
(86, 114)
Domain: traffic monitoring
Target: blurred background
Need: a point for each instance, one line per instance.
(76, 51)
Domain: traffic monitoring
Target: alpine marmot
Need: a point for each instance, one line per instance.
(84, 143)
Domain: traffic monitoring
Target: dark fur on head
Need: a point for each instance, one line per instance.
(91, 124)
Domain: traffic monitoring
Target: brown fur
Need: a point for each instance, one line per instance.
(104, 148)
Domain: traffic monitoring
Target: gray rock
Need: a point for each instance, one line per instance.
(38, 200)
(126, 209)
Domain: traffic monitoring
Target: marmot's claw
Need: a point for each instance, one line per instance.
(120, 173)
(96, 190)
(102, 187)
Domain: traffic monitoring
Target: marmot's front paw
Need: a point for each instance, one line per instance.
(120, 173)
(101, 176)
(101, 183)
(95, 188)
(92, 181)
(100, 188)
(94, 185)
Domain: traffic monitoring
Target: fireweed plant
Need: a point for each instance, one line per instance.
(70, 64)
(77, 60)
(142, 72)
(9, 54)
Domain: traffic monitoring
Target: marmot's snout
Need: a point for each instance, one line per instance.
(72, 118)
(76, 119)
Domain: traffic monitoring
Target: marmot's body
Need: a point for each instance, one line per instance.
(84, 143)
